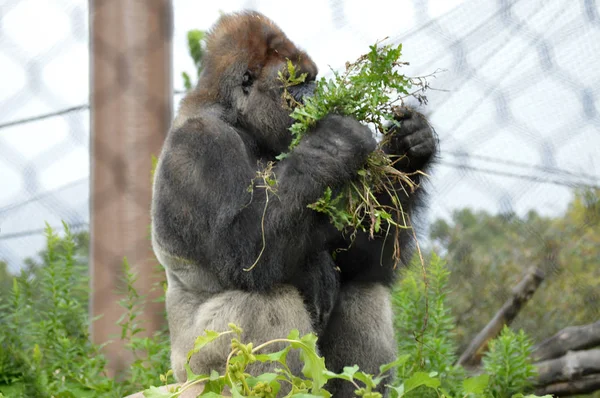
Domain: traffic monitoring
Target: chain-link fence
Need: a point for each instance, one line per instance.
(515, 107)
(44, 122)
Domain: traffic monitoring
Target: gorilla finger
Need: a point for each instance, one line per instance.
(420, 136)
(422, 150)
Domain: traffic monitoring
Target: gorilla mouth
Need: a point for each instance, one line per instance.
(302, 90)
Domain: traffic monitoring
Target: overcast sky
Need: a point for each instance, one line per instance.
(522, 86)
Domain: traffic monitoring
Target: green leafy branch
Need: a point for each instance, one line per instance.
(242, 384)
(195, 38)
(369, 90)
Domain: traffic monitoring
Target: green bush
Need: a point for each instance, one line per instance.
(46, 351)
(44, 338)
(486, 252)
(426, 367)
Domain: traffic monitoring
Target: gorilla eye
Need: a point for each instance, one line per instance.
(247, 81)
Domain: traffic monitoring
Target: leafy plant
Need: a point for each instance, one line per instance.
(367, 90)
(424, 323)
(151, 355)
(242, 384)
(425, 334)
(46, 351)
(426, 367)
(45, 348)
(507, 362)
(195, 38)
(45, 328)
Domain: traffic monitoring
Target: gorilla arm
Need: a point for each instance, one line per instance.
(360, 330)
(413, 146)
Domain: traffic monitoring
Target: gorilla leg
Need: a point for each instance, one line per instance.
(360, 332)
(262, 316)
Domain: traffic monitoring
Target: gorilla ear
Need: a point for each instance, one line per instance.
(247, 81)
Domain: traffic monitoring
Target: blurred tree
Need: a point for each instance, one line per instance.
(487, 255)
(5, 279)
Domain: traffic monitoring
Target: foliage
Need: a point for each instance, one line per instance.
(488, 253)
(44, 328)
(425, 368)
(367, 91)
(424, 324)
(32, 266)
(151, 354)
(45, 348)
(425, 333)
(195, 39)
(508, 365)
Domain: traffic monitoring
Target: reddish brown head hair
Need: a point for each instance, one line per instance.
(251, 41)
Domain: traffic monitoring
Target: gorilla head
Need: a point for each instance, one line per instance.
(245, 52)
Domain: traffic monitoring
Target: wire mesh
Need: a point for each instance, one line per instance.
(516, 108)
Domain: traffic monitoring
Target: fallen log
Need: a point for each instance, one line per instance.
(569, 339)
(569, 367)
(584, 385)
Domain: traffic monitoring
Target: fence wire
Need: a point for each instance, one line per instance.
(516, 108)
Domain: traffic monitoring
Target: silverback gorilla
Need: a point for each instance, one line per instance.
(206, 226)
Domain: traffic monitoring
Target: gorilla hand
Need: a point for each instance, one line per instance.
(319, 284)
(337, 147)
(414, 140)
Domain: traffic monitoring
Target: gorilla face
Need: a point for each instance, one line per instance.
(245, 53)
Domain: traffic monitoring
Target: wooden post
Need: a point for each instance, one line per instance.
(131, 110)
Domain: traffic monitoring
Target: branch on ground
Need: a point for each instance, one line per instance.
(569, 339)
(584, 385)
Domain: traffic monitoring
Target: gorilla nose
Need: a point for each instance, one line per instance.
(303, 90)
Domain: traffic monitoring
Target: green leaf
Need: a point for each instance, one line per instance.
(191, 376)
(421, 379)
(211, 394)
(314, 365)
(155, 392)
(401, 360)
(187, 82)
(269, 378)
(195, 38)
(265, 378)
(476, 385)
(214, 375)
(37, 354)
(214, 386)
(365, 378)
(279, 356)
(202, 340)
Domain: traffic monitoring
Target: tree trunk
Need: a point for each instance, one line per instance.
(521, 294)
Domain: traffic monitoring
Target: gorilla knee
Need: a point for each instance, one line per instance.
(262, 316)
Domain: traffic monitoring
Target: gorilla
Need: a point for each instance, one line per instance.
(208, 228)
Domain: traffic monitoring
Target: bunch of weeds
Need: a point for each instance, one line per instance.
(371, 90)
